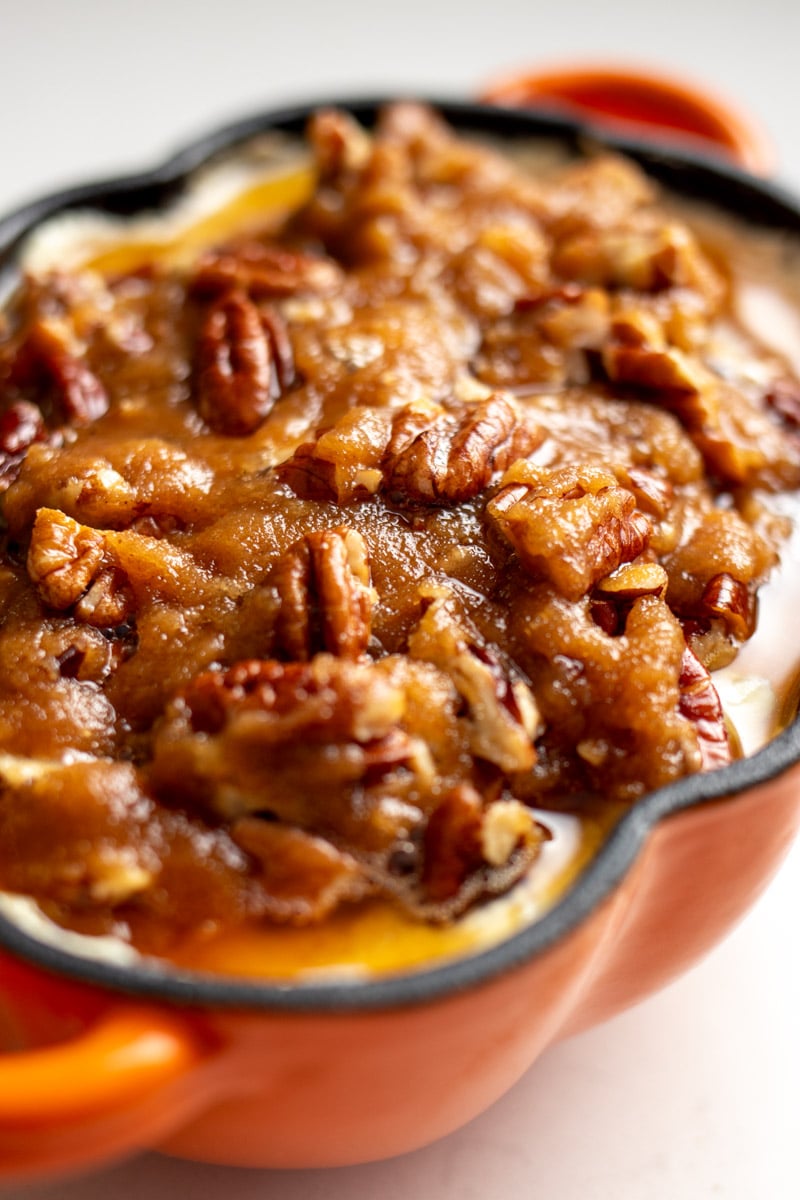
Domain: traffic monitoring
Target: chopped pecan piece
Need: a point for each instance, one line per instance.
(453, 457)
(469, 847)
(658, 370)
(453, 847)
(632, 580)
(265, 272)
(239, 373)
(502, 714)
(20, 426)
(344, 464)
(700, 586)
(57, 375)
(69, 564)
(647, 258)
(64, 558)
(654, 495)
(572, 525)
(340, 145)
(700, 704)
(323, 583)
(733, 602)
(737, 438)
(575, 321)
(108, 602)
(304, 877)
(783, 398)
(615, 594)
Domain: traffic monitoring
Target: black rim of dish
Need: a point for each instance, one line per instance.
(682, 172)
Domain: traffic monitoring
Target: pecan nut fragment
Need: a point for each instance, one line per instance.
(783, 398)
(450, 458)
(700, 704)
(632, 580)
(344, 464)
(64, 557)
(573, 525)
(733, 602)
(469, 847)
(109, 600)
(265, 272)
(323, 583)
(304, 877)
(502, 715)
(654, 369)
(69, 564)
(20, 426)
(57, 376)
(452, 843)
(242, 364)
(340, 145)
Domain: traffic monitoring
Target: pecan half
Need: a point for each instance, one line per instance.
(573, 525)
(452, 457)
(323, 583)
(265, 272)
(57, 375)
(242, 363)
(69, 565)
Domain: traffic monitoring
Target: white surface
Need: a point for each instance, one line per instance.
(695, 1094)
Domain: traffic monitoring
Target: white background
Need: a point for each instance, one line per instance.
(695, 1094)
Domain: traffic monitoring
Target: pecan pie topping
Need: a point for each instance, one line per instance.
(338, 557)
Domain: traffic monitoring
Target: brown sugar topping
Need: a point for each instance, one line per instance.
(335, 558)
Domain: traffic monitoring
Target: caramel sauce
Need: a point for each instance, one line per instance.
(377, 938)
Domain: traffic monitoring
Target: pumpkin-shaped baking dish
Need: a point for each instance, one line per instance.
(104, 1057)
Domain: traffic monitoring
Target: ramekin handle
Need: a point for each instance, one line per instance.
(111, 1089)
(640, 101)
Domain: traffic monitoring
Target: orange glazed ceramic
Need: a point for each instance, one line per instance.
(101, 1058)
(641, 102)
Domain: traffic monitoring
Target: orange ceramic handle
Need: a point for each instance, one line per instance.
(641, 101)
(126, 1053)
(123, 1084)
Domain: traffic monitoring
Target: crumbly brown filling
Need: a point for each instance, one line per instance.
(330, 557)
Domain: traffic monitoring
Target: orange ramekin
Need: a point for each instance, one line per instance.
(640, 101)
(102, 1058)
